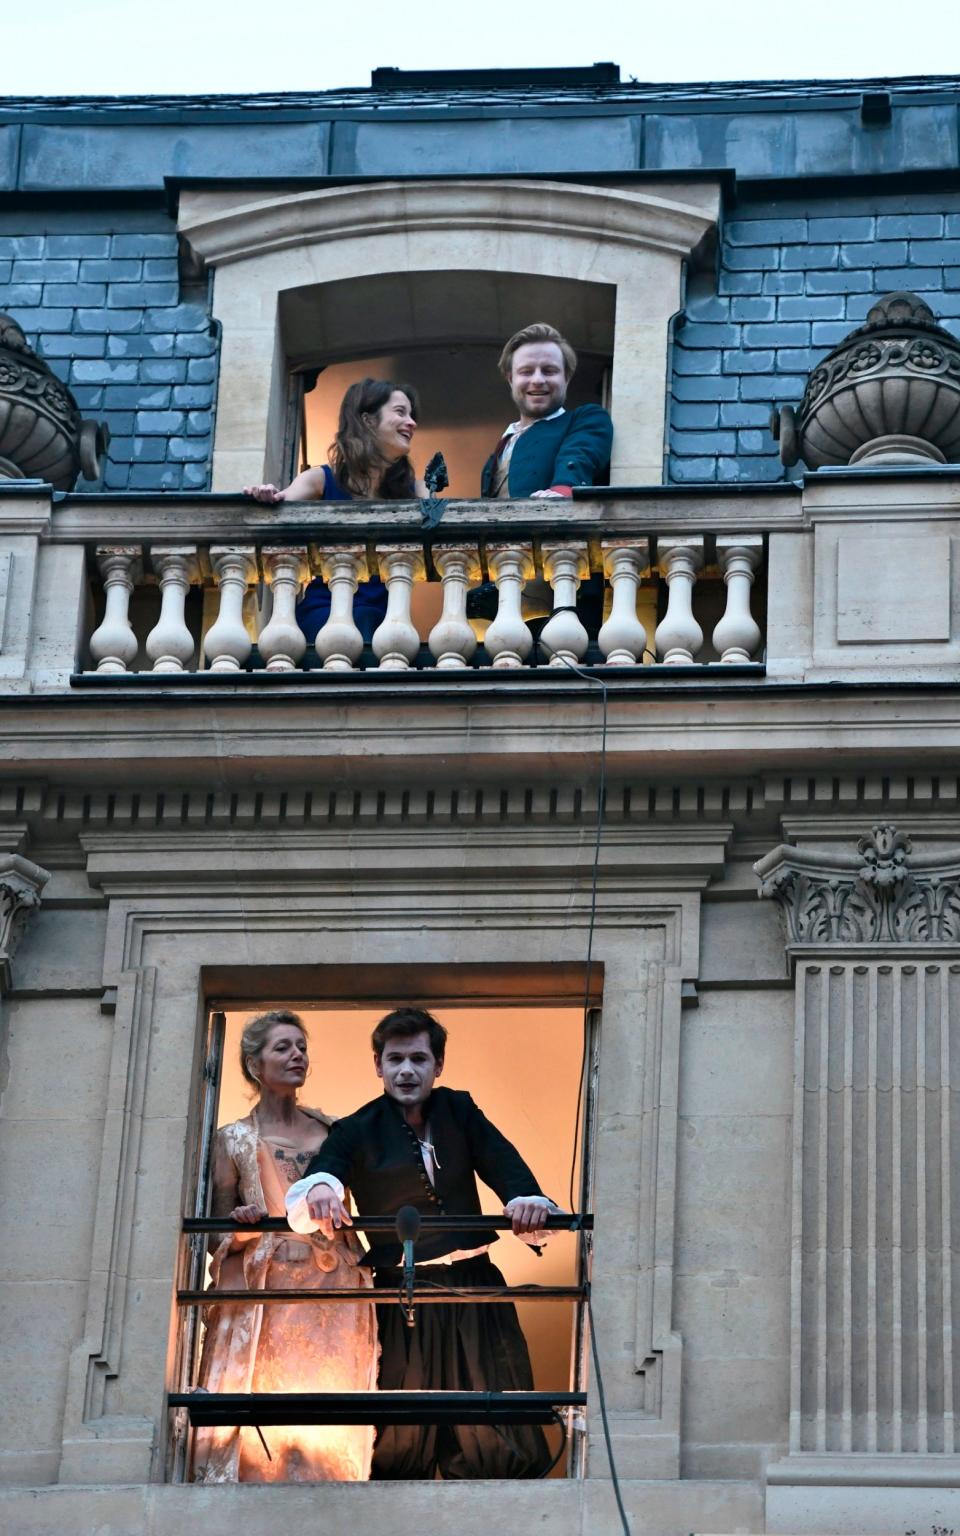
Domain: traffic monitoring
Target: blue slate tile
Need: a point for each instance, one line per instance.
(154, 245)
(195, 346)
(78, 294)
(694, 444)
(163, 370)
(782, 282)
(484, 146)
(123, 157)
(840, 282)
(161, 269)
(782, 334)
(760, 471)
(20, 295)
(807, 257)
(29, 247)
(798, 359)
(78, 245)
(9, 156)
(164, 422)
(154, 477)
(809, 307)
(202, 370)
(107, 320)
(751, 258)
(704, 337)
(765, 231)
(855, 227)
(705, 387)
(692, 415)
(739, 282)
(181, 317)
(195, 477)
(139, 397)
(878, 253)
(139, 346)
(916, 278)
(141, 295)
(685, 361)
(753, 309)
(904, 226)
(755, 442)
(103, 371)
(748, 362)
(933, 253)
(784, 386)
(708, 307)
(193, 396)
(692, 471)
(743, 414)
(72, 346)
(61, 271)
(112, 270)
(149, 450)
(195, 449)
(829, 333)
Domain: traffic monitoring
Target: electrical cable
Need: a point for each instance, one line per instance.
(597, 682)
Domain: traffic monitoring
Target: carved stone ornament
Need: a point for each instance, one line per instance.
(888, 394)
(21, 884)
(41, 434)
(884, 893)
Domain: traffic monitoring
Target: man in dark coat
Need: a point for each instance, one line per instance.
(423, 1146)
(548, 449)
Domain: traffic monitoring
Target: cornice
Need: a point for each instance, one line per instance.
(219, 233)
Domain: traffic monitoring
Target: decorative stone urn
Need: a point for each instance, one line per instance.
(888, 394)
(41, 434)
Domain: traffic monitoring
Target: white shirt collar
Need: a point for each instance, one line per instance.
(514, 426)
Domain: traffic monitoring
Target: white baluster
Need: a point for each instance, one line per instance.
(508, 642)
(679, 636)
(737, 635)
(452, 642)
(622, 638)
(113, 645)
(170, 643)
(227, 644)
(396, 642)
(563, 636)
(339, 643)
(282, 641)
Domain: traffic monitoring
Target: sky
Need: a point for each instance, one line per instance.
(115, 47)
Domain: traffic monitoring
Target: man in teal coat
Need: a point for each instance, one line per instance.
(549, 449)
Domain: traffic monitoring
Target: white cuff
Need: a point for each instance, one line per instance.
(533, 1239)
(298, 1212)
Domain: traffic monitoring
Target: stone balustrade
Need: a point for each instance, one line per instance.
(699, 586)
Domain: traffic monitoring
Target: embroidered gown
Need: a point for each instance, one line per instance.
(278, 1348)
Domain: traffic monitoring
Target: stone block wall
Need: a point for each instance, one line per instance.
(792, 280)
(104, 305)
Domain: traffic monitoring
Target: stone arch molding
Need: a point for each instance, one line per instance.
(260, 244)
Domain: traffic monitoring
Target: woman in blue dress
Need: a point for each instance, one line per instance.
(369, 461)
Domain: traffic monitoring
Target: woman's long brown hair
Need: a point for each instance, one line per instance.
(354, 454)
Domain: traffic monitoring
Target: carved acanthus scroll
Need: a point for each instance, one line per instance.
(21, 884)
(883, 893)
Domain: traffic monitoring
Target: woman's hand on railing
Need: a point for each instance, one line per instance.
(252, 1214)
(267, 493)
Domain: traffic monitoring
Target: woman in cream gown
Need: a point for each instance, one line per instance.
(272, 1347)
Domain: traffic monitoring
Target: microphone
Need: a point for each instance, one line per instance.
(408, 1230)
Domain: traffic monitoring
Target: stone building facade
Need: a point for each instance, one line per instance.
(197, 815)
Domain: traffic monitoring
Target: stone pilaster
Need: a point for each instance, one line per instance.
(874, 934)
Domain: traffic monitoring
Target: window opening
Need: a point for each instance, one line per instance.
(522, 1065)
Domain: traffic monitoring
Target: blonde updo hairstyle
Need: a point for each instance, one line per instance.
(256, 1033)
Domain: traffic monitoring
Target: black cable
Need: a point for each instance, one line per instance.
(562, 1426)
(601, 811)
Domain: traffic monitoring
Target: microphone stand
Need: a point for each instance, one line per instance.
(408, 1228)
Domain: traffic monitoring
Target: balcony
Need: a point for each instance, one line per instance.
(846, 579)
